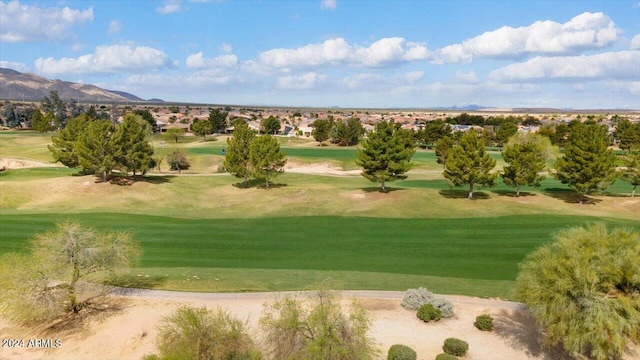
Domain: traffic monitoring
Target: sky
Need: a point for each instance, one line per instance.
(345, 53)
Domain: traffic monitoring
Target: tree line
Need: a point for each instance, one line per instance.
(587, 166)
(99, 146)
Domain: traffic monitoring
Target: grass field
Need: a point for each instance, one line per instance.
(201, 232)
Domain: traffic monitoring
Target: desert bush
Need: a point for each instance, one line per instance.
(414, 298)
(455, 347)
(484, 322)
(446, 357)
(401, 352)
(445, 306)
(191, 333)
(428, 313)
(317, 329)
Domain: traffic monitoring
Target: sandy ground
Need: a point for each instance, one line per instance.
(129, 333)
(10, 163)
(319, 169)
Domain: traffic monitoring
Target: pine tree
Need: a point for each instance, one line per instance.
(386, 155)
(525, 160)
(63, 148)
(321, 130)
(96, 151)
(236, 158)
(218, 120)
(133, 150)
(267, 161)
(588, 165)
(632, 172)
(469, 163)
(442, 149)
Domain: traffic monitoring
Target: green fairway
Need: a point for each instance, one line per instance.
(471, 249)
(307, 227)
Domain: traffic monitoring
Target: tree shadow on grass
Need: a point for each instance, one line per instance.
(519, 330)
(258, 184)
(512, 193)
(373, 189)
(130, 180)
(463, 194)
(570, 197)
(134, 281)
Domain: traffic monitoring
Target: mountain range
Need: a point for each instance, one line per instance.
(15, 85)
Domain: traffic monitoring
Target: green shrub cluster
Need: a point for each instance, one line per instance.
(401, 352)
(446, 357)
(428, 313)
(484, 322)
(455, 347)
(414, 298)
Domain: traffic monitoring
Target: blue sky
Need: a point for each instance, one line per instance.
(562, 54)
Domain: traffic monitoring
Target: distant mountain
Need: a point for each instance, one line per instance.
(15, 85)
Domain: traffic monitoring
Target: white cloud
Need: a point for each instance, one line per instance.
(610, 65)
(329, 4)
(469, 78)
(169, 7)
(17, 66)
(632, 87)
(198, 61)
(374, 82)
(105, 59)
(226, 48)
(300, 82)
(383, 52)
(635, 42)
(26, 23)
(114, 27)
(583, 32)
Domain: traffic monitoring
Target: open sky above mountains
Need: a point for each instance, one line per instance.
(563, 54)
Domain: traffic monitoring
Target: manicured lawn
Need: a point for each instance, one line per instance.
(471, 249)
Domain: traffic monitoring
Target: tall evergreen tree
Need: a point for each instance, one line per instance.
(587, 165)
(631, 173)
(469, 163)
(267, 161)
(321, 130)
(218, 120)
(507, 129)
(64, 148)
(525, 160)
(133, 151)
(96, 151)
(442, 149)
(628, 134)
(386, 155)
(236, 159)
(40, 122)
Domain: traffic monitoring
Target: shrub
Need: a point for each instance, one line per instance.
(192, 333)
(446, 357)
(401, 352)
(414, 298)
(455, 347)
(484, 322)
(317, 329)
(445, 306)
(427, 313)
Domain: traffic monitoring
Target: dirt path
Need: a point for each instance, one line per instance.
(129, 333)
